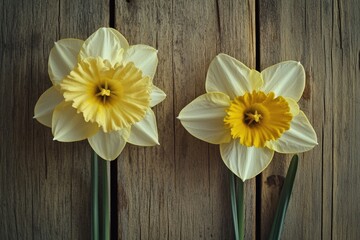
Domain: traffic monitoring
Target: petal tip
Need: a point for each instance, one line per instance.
(222, 54)
(109, 159)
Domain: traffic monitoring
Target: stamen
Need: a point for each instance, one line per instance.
(105, 92)
(251, 117)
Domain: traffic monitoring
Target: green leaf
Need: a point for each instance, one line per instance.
(278, 223)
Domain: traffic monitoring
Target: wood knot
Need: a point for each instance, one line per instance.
(276, 181)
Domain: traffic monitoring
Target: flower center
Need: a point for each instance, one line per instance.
(256, 118)
(104, 92)
(112, 96)
(252, 118)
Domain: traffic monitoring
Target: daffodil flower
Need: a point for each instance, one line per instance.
(250, 114)
(102, 91)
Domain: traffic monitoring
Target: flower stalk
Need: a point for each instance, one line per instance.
(105, 191)
(100, 208)
(94, 197)
(233, 205)
(237, 206)
(241, 208)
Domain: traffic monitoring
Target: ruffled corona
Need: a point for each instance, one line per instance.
(256, 118)
(114, 97)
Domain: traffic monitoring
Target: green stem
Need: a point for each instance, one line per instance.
(105, 199)
(94, 197)
(241, 208)
(233, 205)
(278, 223)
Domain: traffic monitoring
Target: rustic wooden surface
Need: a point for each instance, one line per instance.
(179, 190)
(44, 185)
(325, 37)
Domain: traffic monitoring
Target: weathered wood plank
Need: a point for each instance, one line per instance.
(322, 35)
(179, 190)
(237, 33)
(44, 185)
(77, 21)
(345, 75)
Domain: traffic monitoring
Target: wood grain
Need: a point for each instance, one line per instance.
(44, 185)
(324, 36)
(180, 190)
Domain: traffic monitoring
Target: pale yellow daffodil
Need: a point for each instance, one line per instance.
(250, 114)
(102, 91)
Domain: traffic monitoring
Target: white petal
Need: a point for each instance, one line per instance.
(70, 126)
(63, 58)
(285, 79)
(300, 137)
(245, 162)
(144, 133)
(157, 96)
(45, 105)
(144, 57)
(230, 76)
(109, 145)
(204, 118)
(106, 43)
(294, 107)
(122, 40)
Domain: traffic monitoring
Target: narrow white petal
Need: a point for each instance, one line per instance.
(157, 96)
(144, 57)
(70, 126)
(144, 133)
(230, 76)
(45, 105)
(63, 58)
(106, 43)
(285, 79)
(300, 137)
(245, 162)
(109, 145)
(294, 107)
(204, 118)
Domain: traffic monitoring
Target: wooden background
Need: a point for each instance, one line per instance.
(179, 190)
